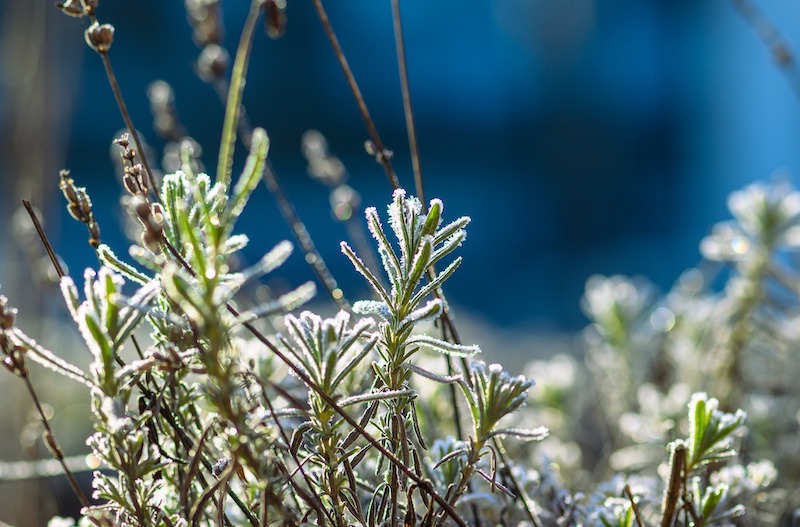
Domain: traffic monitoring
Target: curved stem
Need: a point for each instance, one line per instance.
(233, 107)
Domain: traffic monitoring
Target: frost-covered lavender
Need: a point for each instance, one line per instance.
(210, 408)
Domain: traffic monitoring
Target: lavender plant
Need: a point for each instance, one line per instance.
(210, 409)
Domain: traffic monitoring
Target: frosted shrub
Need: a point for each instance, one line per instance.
(196, 421)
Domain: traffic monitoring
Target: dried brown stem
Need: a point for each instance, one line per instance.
(52, 444)
(382, 158)
(408, 110)
(123, 109)
(673, 491)
(634, 506)
(47, 246)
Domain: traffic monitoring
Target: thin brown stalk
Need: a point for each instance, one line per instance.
(50, 438)
(382, 158)
(527, 502)
(47, 247)
(407, 107)
(312, 255)
(126, 117)
(634, 506)
(314, 501)
(673, 491)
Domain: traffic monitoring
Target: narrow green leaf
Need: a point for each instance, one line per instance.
(248, 181)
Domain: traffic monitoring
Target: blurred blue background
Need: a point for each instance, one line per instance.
(581, 136)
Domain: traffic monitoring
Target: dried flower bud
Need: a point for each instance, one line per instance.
(275, 20)
(150, 216)
(15, 361)
(131, 184)
(79, 205)
(379, 155)
(141, 207)
(157, 210)
(99, 37)
(212, 63)
(162, 106)
(7, 314)
(94, 234)
(74, 8)
(205, 17)
(67, 186)
(76, 212)
(123, 141)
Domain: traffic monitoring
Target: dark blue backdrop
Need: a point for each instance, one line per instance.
(581, 136)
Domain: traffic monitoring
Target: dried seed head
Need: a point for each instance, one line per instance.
(99, 37)
(141, 207)
(322, 165)
(212, 63)
(67, 186)
(137, 173)
(79, 206)
(275, 21)
(157, 211)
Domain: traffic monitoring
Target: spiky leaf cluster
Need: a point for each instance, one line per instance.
(423, 242)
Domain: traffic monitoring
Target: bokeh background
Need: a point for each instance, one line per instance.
(581, 136)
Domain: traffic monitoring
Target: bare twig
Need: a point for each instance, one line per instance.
(673, 491)
(47, 246)
(407, 108)
(382, 153)
(123, 109)
(312, 255)
(634, 506)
